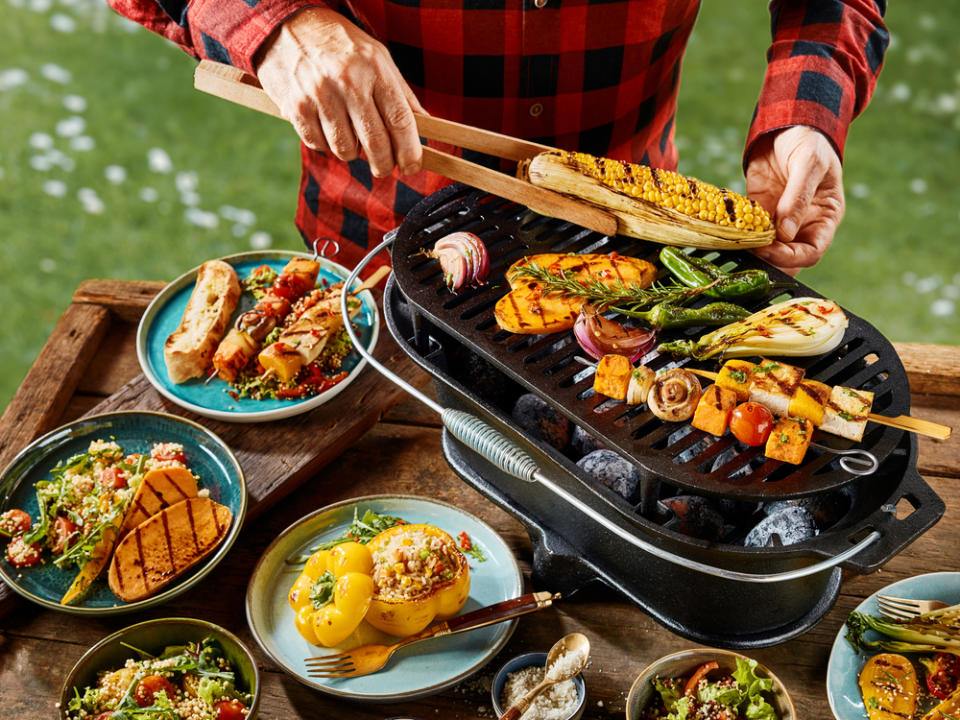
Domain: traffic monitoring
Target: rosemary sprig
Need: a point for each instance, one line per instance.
(604, 294)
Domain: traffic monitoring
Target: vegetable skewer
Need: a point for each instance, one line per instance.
(901, 422)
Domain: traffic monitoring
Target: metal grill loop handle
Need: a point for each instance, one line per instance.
(490, 443)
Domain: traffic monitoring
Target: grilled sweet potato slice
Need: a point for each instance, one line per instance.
(158, 489)
(527, 309)
(163, 547)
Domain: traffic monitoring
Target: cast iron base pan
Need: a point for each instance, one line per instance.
(559, 567)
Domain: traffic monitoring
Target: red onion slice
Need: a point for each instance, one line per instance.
(463, 258)
(599, 336)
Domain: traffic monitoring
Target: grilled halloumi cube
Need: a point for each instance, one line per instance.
(772, 384)
(809, 401)
(735, 375)
(789, 440)
(845, 413)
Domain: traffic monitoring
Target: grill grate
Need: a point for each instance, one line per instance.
(545, 365)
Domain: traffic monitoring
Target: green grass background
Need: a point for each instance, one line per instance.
(895, 260)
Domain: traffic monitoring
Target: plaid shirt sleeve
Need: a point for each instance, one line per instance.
(822, 66)
(228, 31)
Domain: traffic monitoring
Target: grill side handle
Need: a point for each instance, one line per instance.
(509, 457)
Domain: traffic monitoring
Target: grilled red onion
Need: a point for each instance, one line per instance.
(463, 258)
(599, 336)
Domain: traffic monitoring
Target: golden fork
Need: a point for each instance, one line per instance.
(905, 608)
(370, 658)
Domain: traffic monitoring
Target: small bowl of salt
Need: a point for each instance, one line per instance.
(564, 700)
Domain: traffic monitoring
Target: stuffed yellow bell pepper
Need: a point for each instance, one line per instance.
(419, 574)
(333, 593)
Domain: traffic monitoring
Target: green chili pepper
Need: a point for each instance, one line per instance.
(670, 315)
(696, 272)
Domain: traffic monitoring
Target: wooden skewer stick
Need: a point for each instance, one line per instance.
(901, 422)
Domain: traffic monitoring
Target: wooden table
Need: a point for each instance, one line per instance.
(91, 356)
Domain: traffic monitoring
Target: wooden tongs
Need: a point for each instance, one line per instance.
(235, 85)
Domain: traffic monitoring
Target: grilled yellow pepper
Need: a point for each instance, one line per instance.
(333, 593)
(434, 583)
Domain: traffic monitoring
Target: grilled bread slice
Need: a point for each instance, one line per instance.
(772, 384)
(163, 547)
(845, 413)
(159, 489)
(189, 349)
(529, 309)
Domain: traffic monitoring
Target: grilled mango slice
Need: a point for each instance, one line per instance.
(528, 309)
(888, 684)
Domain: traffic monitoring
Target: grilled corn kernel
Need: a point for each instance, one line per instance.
(399, 568)
(405, 581)
(668, 189)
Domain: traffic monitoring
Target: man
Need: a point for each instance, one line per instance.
(599, 76)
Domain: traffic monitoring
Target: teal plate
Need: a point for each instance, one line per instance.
(207, 456)
(845, 664)
(212, 400)
(416, 671)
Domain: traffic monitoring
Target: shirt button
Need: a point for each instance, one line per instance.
(536, 109)
(540, 3)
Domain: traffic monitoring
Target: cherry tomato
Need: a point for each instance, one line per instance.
(14, 522)
(113, 478)
(22, 555)
(177, 456)
(65, 532)
(230, 710)
(943, 675)
(105, 715)
(751, 423)
(150, 686)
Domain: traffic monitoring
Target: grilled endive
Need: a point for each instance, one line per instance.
(799, 327)
(654, 204)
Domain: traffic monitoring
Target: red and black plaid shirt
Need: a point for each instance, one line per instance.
(599, 76)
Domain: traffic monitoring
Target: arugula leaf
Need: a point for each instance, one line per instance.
(669, 694)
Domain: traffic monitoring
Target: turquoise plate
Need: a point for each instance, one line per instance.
(207, 456)
(212, 400)
(845, 664)
(420, 670)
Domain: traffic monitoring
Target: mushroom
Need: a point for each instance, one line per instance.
(674, 395)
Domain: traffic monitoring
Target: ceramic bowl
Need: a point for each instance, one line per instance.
(685, 662)
(153, 636)
(536, 659)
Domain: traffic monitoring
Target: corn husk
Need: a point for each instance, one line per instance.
(637, 217)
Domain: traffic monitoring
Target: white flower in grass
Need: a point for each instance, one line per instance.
(75, 103)
(900, 92)
(952, 292)
(942, 308)
(82, 143)
(63, 23)
(927, 284)
(90, 200)
(190, 198)
(55, 188)
(55, 73)
(40, 141)
(201, 218)
(41, 163)
(946, 103)
(72, 126)
(39, 6)
(60, 158)
(260, 240)
(860, 190)
(159, 161)
(13, 77)
(48, 265)
(149, 194)
(115, 174)
(186, 181)
(918, 186)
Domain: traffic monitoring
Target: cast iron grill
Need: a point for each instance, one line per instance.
(546, 365)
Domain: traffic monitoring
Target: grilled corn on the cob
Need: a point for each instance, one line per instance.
(654, 204)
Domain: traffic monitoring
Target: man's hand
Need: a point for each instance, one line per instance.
(342, 91)
(796, 175)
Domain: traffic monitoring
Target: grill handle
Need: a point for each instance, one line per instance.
(509, 457)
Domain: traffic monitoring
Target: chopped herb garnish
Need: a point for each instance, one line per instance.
(784, 438)
(739, 376)
(845, 415)
(321, 592)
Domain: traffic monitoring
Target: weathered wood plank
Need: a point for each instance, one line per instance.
(938, 457)
(125, 299)
(39, 402)
(932, 369)
(114, 363)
